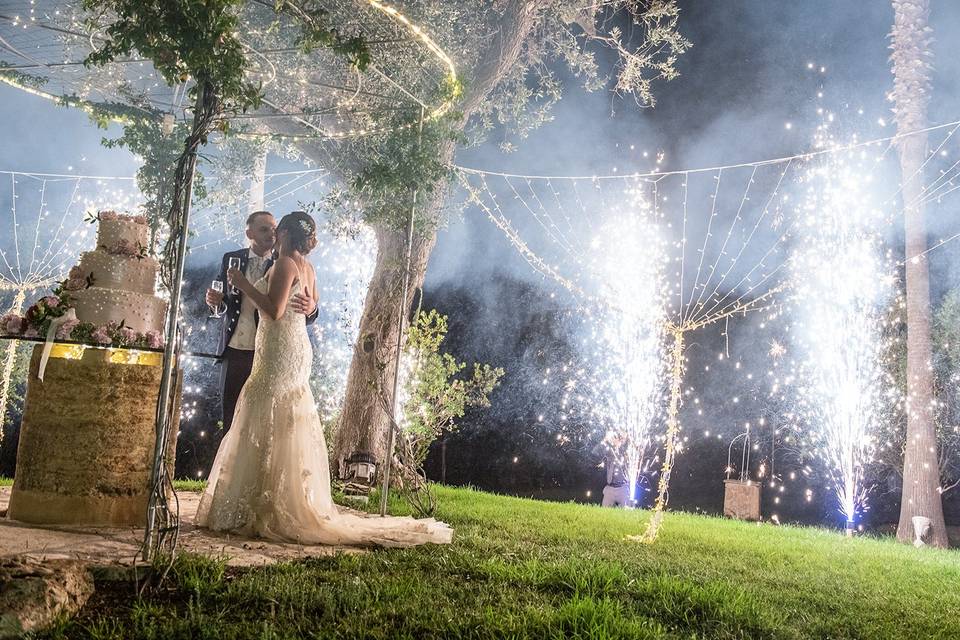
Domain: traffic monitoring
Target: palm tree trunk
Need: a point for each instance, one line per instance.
(921, 471)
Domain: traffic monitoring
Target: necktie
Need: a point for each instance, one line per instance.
(256, 266)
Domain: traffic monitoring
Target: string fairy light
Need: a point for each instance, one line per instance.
(40, 246)
(64, 34)
(748, 269)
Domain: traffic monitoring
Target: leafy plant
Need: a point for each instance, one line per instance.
(436, 392)
(183, 39)
(412, 162)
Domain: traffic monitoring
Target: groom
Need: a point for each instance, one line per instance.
(240, 318)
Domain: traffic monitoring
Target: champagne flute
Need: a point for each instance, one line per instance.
(217, 285)
(234, 263)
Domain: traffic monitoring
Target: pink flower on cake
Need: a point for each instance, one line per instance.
(128, 335)
(11, 323)
(155, 340)
(76, 279)
(74, 284)
(64, 330)
(51, 301)
(31, 332)
(102, 335)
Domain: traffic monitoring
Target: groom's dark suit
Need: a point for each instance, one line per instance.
(236, 364)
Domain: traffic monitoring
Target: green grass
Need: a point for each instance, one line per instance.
(522, 568)
(6, 482)
(189, 485)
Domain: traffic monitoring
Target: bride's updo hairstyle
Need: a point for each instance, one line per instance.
(301, 231)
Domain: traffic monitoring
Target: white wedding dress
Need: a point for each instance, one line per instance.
(271, 477)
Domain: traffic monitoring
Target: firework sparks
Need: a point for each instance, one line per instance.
(843, 286)
(628, 260)
(777, 350)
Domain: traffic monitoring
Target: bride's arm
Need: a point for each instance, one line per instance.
(273, 303)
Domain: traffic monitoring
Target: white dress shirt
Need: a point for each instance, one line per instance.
(244, 335)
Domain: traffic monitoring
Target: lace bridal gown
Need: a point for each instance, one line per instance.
(270, 478)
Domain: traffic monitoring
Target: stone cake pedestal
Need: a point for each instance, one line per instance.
(741, 500)
(87, 437)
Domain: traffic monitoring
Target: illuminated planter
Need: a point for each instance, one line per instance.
(741, 500)
(87, 437)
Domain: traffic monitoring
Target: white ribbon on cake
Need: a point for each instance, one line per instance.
(51, 336)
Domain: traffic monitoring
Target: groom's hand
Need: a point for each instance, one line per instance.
(303, 304)
(214, 298)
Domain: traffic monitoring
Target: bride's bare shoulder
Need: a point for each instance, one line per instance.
(285, 264)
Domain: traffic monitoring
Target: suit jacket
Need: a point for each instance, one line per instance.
(233, 301)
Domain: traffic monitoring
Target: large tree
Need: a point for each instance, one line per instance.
(367, 129)
(504, 52)
(910, 43)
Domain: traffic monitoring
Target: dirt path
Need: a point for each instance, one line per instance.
(116, 545)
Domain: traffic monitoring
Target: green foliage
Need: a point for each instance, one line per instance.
(437, 393)
(200, 40)
(160, 153)
(18, 387)
(184, 39)
(188, 484)
(19, 78)
(946, 378)
(200, 576)
(946, 334)
(103, 113)
(314, 34)
(412, 161)
(946, 368)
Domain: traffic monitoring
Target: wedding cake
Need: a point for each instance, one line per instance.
(117, 281)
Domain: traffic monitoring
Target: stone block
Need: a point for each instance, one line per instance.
(34, 594)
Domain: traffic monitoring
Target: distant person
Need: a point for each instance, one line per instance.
(616, 493)
(239, 314)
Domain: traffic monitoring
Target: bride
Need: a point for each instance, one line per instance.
(270, 478)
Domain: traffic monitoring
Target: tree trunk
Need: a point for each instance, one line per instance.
(362, 424)
(921, 471)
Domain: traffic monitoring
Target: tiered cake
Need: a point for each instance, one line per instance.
(123, 277)
(91, 462)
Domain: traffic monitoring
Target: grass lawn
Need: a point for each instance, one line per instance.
(521, 568)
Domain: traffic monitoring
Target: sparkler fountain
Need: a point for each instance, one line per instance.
(843, 284)
(629, 259)
(690, 292)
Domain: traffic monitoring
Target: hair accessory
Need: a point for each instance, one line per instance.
(307, 227)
